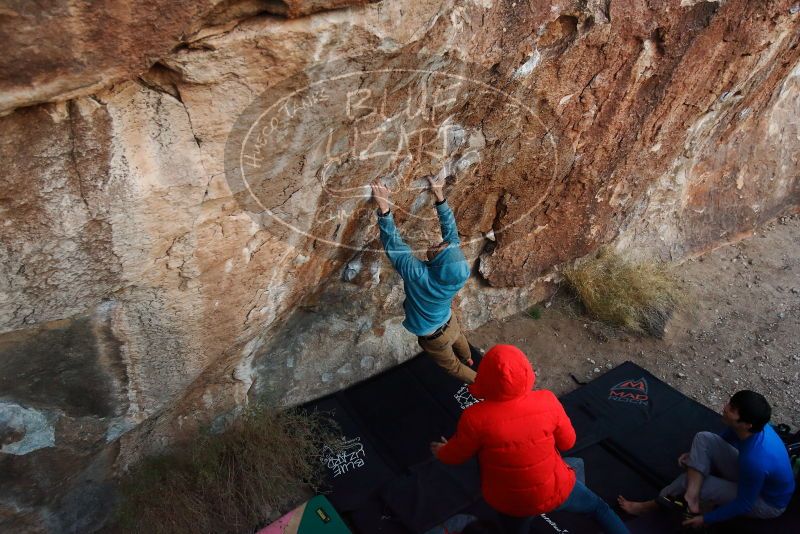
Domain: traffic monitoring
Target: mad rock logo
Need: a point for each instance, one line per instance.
(630, 391)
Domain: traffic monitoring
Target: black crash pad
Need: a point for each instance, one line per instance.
(431, 491)
(387, 423)
(631, 428)
(402, 414)
(354, 467)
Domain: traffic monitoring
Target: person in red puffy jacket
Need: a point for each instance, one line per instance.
(517, 434)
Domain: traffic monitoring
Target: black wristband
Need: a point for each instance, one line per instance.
(442, 202)
(383, 214)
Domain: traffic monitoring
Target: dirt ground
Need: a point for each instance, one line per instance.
(741, 329)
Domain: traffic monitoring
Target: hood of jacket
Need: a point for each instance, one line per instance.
(449, 267)
(504, 374)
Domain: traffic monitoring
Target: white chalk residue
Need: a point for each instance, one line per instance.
(35, 429)
(118, 427)
(526, 68)
(690, 3)
(486, 4)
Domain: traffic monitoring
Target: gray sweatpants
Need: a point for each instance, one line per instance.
(718, 462)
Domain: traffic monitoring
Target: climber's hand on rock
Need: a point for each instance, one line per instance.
(437, 185)
(380, 193)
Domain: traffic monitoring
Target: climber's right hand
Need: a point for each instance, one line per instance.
(380, 193)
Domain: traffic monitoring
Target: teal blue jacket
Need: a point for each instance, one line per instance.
(430, 285)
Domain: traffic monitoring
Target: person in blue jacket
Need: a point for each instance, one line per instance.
(430, 285)
(745, 471)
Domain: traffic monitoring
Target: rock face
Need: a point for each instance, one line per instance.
(170, 251)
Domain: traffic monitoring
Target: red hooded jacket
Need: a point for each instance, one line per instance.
(517, 434)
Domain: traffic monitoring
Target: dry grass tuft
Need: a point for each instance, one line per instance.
(264, 464)
(638, 296)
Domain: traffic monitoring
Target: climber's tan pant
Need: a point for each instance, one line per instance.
(449, 350)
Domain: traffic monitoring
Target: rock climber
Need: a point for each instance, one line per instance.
(430, 285)
(745, 471)
(517, 434)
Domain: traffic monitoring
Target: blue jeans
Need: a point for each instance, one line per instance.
(581, 500)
